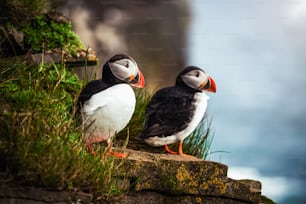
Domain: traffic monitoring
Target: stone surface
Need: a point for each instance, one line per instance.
(21, 194)
(176, 176)
(154, 178)
(11, 42)
(80, 61)
(155, 197)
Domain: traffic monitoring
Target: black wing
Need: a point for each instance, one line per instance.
(169, 111)
(90, 89)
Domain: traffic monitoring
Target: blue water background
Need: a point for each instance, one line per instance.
(256, 52)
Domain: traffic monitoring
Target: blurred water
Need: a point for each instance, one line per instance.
(255, 51)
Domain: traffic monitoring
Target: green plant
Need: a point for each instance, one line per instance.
(199, 142)
(45, 34)
(41, 142)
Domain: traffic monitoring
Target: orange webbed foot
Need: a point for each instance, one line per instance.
(168, 150)
(118, 154)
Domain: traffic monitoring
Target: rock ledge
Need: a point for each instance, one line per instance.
(155, 178)
(185, 180)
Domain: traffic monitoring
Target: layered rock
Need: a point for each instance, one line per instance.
(185, 180)
(155, 178)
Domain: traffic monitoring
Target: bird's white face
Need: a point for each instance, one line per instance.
(124, 69)
(196, 79)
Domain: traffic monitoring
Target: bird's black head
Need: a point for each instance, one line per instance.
(195, 79)
(122, 68)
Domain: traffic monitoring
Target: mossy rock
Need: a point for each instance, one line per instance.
(176, 175)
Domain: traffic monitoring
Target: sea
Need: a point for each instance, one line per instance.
(256, 53)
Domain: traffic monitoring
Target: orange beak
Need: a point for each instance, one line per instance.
(210, 86)
(138, 81)
(213, 86)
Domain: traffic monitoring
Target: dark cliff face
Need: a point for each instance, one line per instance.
(153, 32)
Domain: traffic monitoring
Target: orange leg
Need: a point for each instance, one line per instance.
(181, 153)
(110, 151)
(115, 154)
(89, 147)
(167, 149)
(91, 150)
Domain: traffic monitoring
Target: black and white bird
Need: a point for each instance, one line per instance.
(108, 104)
(174, 112)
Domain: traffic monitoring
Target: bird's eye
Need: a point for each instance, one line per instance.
(127, 65)
(197, 74)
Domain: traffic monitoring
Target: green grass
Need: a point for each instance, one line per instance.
(46, 34)
(40, 141)
(199, 142)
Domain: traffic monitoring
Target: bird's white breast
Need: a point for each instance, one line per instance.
(200, 103)
(109, 111)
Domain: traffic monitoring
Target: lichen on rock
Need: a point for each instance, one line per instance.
(176, 176)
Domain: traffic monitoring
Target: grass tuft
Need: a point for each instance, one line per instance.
(199, 142)
(40, 142)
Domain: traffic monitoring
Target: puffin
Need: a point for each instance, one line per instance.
(173, 113)
(107, 105)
